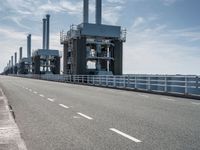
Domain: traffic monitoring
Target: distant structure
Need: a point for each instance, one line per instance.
(45, 60)
(94, 49)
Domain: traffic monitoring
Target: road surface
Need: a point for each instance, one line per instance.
(61, 116)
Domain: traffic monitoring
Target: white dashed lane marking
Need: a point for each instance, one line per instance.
(50, 99)
(41, 95)
(64, 106)
(125, 135)
(35, 92)
(85, 116)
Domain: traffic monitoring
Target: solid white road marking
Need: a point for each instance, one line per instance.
(143, 95)
(125, 135)
(195, 103)
(41, 95)
(85, 116)
(64, 106)
(50, 99)
(168, 99)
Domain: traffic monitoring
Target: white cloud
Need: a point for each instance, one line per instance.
(157, 49)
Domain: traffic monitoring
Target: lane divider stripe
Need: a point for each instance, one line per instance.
(125, 135)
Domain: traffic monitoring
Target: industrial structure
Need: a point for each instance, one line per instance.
(45, 60)
(93, 48)
(89, 49)
(24, 66)
(42, 61)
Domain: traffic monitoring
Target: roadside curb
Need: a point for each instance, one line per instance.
(10, 138)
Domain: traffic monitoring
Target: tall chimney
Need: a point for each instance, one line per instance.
(98, 11)
(29, 46)
(15, 58)
(47, 31)
(9, 63)
(12, 64)
(20, 53)
(44, 34)
(85, 11)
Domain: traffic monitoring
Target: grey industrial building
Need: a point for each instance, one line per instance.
(93, 48)
(45, 60)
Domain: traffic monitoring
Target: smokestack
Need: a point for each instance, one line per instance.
(12, 64)
(20, 53)
(29, 46)
(15, 58)
(44, 34)
(98, 11)
(85, 11)
(12, 61)
(47, 31)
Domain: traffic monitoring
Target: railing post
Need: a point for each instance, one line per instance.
(186, 85)
(106, 80)
(135, 86)
(83, 79)
(124, 81)
(73, 78)
(93, 80)
(165, 84)
(88, 79)
(149, 83)
(128, 84)
(99, 80)
(114, 81)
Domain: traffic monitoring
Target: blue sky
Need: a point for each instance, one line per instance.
(163, 36)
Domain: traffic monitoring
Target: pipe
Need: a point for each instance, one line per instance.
(29, 46)
(85, 11)
(20, 53)
(47, 31)
(98, 11)
(44, 34)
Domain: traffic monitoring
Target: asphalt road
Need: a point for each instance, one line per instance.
(60, 116)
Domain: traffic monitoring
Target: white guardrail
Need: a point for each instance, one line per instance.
(165, 84)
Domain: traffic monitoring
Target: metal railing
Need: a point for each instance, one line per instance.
(165, 84)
